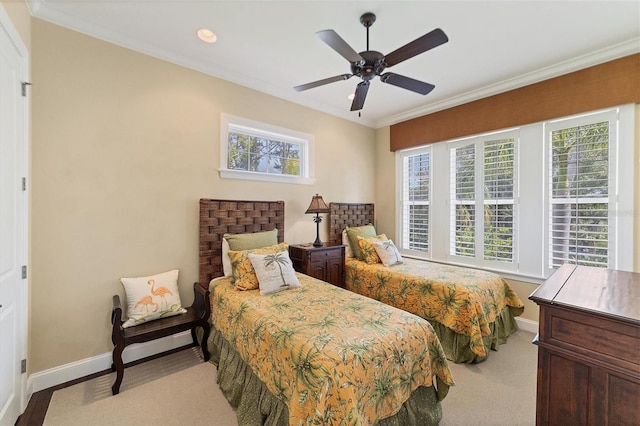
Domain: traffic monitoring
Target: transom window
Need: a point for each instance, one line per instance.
(259, 151)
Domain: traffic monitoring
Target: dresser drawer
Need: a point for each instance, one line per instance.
(605, 339)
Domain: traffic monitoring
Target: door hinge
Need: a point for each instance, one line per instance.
(23, 366)
(24, 87)
(24, 183)
(24, 272)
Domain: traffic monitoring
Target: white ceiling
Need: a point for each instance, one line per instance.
(271, 46)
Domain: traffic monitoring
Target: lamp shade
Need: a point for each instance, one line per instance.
(317, 205)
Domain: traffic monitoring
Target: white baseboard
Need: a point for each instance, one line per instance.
(75, 370)
(527, 325)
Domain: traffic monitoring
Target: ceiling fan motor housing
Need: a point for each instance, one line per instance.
(373, 65)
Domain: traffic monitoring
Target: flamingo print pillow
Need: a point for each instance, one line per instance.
(274, 271)
(152, 297)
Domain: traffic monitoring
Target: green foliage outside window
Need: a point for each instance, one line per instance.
(256, 154)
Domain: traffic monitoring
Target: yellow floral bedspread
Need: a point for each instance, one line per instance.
(464, 300)
(334, 357)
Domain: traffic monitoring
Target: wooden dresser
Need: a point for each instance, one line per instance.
(325, 263)
(588, 347)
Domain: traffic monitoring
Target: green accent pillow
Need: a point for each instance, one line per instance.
(252, 241)
(366, 231)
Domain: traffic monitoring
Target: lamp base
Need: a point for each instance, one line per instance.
(317, 220)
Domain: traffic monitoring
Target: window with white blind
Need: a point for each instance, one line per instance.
(524, 201)
(416, 181)
(483, 193)
(463, 201)
(580, 189)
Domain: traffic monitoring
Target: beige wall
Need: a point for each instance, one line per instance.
(124, 145)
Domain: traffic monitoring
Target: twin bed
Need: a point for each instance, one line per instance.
(472, 311)
(336, 356)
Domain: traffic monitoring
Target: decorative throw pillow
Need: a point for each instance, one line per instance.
(226, 262)
(152, 297)
(388, 252)
(244, 276)
(369, 254)
(252, 240)
(366, 231)
(274, 271)
(345, 241)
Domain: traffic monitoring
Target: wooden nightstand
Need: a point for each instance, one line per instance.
(325, 263)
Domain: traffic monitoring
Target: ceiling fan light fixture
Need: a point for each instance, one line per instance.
(206, 35)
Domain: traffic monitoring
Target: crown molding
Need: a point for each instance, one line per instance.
(620, 50)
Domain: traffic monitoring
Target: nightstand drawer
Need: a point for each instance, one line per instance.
(319, 255)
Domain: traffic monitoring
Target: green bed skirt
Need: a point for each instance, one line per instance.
(456, 346)
(255, 405)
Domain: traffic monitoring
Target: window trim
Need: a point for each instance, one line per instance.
(230, 122)
(480, 202)
(400, 190)
(620, 241)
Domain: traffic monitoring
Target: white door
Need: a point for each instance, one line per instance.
(13, 233)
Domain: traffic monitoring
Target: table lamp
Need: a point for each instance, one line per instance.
(317, 206)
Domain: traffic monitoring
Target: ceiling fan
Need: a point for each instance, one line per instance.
(370, 63)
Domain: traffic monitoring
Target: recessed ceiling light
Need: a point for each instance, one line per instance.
(206, 35)
(351, 96)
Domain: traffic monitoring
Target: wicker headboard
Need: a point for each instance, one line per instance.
(218, 217)
(348, 214)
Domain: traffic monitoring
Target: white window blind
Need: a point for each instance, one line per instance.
(483, 190)
(579, 230)
(499, 191)
(416, 181)
(463, 197)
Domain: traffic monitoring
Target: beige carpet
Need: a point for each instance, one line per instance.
(498, 391)
(177, 389)
(180, 389)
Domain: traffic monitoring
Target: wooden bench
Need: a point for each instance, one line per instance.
(197, 315)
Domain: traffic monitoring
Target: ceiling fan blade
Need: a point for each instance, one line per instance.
(322, 82)
(407, 83)
(428, 41)
(361, 94)
(339, 45)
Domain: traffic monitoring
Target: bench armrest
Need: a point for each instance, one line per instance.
(201, 302)
(117, 332)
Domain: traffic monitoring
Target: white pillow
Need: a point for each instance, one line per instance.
(387, 251)
(274, 271)
(152, 297)
(227, 269)
(345, 241)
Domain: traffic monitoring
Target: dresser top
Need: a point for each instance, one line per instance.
(607, 292)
